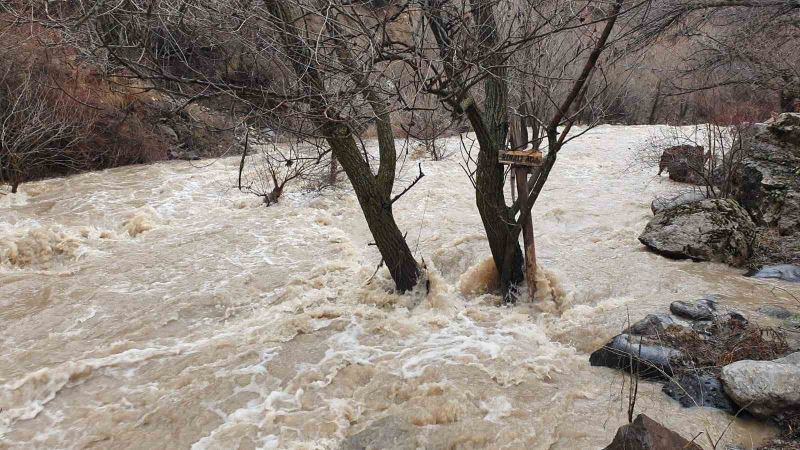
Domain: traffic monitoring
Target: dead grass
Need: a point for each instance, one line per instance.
(772, 248)
(727, 342)
(123, 117)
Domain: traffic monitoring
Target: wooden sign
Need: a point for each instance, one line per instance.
(528, 158)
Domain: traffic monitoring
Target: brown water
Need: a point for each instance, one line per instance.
(157, 307)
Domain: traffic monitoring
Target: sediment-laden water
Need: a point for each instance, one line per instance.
(157, 307)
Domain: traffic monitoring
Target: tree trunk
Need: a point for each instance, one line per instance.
(373, 192)
(14, 187)
(519, 141)
(527, 232)
(377, 207)
(334, 170)
(651, 119)
(684, 109)
(490, 128)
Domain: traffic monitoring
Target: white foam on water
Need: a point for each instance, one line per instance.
(193, 316)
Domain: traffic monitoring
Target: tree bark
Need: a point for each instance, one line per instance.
(651, 119)
(377, 207)
(527, 232)
(519, 141)
(334, 171)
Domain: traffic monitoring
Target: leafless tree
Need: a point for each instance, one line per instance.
(318, 70)
(750, 43)
(329, 69)
(476, 70)
(326, 70)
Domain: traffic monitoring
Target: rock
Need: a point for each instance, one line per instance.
(777, 312)
(734, 319)
(685, 163)
(700, 310)
(662, 203)
(765, 388)
(647, 434)
(699, 389)
(767, 184)
(792, 323)
(785, 272)
(389, 432)
(168, 132)
(188, 155)
(709, 230)
(684, 171)
(651, 325)
(636, 354)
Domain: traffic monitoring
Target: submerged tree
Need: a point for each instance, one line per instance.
(325, 70)
(313, 71)
(481, 71)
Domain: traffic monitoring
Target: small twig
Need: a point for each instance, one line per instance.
(380, 264)
(244, 155)
(695, 437)
(408, 188)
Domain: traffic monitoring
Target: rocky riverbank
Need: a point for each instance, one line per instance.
(706, 355)
(759, 225)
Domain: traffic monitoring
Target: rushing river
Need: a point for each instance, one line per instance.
(157, 307)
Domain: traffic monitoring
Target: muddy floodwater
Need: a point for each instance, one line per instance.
(157, 307)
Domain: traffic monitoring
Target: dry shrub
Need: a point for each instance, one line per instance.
(115, 122)
(732, 106)
(772, 248)
(727, 341)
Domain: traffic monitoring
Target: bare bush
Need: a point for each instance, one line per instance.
(272, 166)
(722, 147)
(118, 124)
(38, 128)
(751, 45)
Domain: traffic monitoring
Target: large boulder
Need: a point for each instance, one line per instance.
(768, 179)
(647, 434)
(698, 388)
(765, 388)
(703, 309)
(709, 230)
(651, 325)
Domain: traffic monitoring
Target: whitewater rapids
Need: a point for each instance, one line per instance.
(157, 307)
